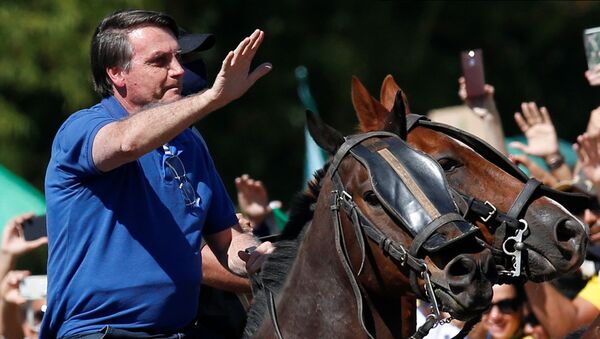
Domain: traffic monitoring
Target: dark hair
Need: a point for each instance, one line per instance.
(110, 45)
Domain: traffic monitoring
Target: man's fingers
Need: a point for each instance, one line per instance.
(227, 62)
(255, 40)
(260, 72)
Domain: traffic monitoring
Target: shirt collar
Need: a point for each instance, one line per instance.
(114, 108)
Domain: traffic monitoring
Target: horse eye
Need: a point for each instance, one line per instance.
(449, 164)
(371, 198)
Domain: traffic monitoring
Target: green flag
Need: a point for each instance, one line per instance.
(314, 157)
(17, 196)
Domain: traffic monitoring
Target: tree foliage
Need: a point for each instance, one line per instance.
(532, 51)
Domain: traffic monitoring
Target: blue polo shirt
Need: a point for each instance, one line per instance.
(124, 248)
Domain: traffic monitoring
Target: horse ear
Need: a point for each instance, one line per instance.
(371, 114)
(398, 117)
(387, 95)
(324, 135)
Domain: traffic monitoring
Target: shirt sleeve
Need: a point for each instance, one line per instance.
(591, 292)
(72, 149)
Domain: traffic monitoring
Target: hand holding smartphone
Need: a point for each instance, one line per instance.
(34, 287)
(35, 228)
(472, 66)
(591, 42)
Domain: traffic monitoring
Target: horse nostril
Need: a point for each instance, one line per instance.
(488, 267)
(567, 229)
(461, 266)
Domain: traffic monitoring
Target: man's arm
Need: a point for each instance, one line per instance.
(215, 275)
(229, 248)
(558, 314)
(484, 108)
(124, 141)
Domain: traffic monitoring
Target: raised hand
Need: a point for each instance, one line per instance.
(587, 151)
(593, 75)
(13, 242)
(538, 129)
(252, 198)
(593, 220)
(235, 78)
(481, 106)
(9, 287)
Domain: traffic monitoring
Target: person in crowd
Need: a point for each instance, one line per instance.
(587, 148)
(557, 313)
(253, 201)
(19, 317)
(478, 116)
(504, 319)
(542, 141)
(130, 189)
(531, 326)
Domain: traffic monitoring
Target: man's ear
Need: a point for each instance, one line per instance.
(116, 76)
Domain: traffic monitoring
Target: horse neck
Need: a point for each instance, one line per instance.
(317, 292)
(318, 282)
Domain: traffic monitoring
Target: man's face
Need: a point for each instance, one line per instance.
(155, 75)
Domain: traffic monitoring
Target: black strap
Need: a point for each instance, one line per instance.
(574, 202)
(523, 198)
(485, 211)
(428, 230)
(352, 141)
(340, 247)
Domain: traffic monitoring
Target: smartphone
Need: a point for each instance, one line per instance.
(34, 287)
(35, 227)
(472, 66)
(591, 42)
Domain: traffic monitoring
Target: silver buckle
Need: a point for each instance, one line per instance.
(494, 209)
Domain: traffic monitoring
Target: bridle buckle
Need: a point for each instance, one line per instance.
(491, 213)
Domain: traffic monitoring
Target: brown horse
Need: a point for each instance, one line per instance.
(383, 225)
(532, 234)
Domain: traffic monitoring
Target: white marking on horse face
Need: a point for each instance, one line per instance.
(585, 227)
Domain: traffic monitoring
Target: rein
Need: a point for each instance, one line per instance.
(512, 245)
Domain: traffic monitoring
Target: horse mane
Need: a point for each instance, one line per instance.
(275, 269)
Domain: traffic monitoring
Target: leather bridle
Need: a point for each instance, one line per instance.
(499, 222)
(410, 257)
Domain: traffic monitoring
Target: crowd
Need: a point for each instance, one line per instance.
(119, 263)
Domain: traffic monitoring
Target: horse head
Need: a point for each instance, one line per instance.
(397, 198)
(520, 219)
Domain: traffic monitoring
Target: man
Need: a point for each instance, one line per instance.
(130, 189)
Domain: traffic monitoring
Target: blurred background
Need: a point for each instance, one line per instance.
(532, 51)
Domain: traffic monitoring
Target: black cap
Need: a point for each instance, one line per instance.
(195, 42)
